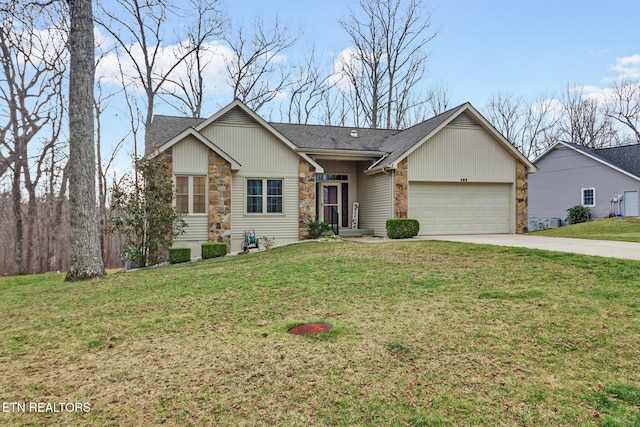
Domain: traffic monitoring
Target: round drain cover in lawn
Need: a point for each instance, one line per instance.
(310, 328)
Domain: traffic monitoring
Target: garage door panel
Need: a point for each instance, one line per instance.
(460, 208)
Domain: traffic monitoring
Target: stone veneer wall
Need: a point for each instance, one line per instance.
(401, 191)
(522, 198)
(219, 199)
(306, 196)
(168, 157)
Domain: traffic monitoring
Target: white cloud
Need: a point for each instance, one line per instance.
(345, 60)
(108, 67)
(627, 67)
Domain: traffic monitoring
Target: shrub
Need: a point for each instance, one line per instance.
(213, 250)
(578, 214)
(268, 242)
(177, 255)
(143, 213)
(316, 228)
(402, 228)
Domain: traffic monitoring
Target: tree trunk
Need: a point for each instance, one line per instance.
(18, 225)
(85, 257)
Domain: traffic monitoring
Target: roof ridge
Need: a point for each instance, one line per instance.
(335, 126)
(449, 111)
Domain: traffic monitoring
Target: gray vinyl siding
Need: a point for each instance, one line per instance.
(457, 153)
(375, 194)
(561, 176)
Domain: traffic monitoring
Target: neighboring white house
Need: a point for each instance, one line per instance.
(234, 171)
(605, 180)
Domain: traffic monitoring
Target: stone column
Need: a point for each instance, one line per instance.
(522, 198)
(306, 196)
(219, 178)
(401, 191)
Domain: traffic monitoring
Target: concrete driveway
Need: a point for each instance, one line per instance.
(605, 248)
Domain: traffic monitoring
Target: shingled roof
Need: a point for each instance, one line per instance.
(391, 145)
(165, 128)
(398, 144)
(626, 157)
(319, 137)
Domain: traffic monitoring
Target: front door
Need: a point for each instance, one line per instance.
(331, 204)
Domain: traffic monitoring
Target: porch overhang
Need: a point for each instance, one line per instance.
(345, 155)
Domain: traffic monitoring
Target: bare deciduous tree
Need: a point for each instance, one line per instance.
(531, 127)
(85, 260)
(189, 90)
(583, 122)
(308, 91)
(255, 71)
(33, 67)
(623, 105)
(439, 100)
(389, 59)
(138, 27)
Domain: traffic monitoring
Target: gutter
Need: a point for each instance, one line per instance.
(370, 168)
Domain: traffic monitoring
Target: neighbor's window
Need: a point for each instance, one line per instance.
(588, 197)
(191, 194)
(264, 196)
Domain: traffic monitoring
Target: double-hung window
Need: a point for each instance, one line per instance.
(191, 194)
(589, 197)
(264, 196)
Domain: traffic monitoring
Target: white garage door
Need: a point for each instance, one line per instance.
(460, 208)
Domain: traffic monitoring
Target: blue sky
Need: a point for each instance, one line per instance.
(528, 49)
(485, 47)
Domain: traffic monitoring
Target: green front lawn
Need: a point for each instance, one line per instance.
(626, 229)
(426, 333)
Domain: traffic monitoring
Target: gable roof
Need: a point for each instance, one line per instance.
(387, 145)
(401, 144)
(164, 128)
(624, 159)
(192, 132)
(404, 143)
(177, 127)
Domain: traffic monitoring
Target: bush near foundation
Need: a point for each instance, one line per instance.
(178, 255)
(402, 228)
(578, 214)
(213, 250)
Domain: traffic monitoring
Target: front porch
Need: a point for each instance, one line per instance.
(355, 232)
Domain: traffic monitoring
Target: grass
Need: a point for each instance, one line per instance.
(626, 229)
(425, 333)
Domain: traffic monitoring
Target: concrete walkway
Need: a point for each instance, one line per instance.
(604, 248)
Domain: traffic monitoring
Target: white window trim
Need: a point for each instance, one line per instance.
(190, 193)
(264, 196)
(582, 197)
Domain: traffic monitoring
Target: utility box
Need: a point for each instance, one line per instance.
(555, 222)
